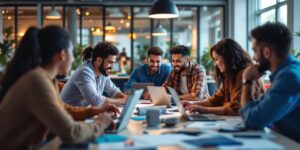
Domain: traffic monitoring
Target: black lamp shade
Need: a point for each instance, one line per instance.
(163, 9)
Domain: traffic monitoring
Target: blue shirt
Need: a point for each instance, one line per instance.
(142, 74)
(86, 88)
(280, 105)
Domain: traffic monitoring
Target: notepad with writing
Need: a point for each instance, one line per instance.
(213, 142)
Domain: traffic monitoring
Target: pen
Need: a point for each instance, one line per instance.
(146, 103)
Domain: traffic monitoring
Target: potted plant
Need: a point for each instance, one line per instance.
(6, 47)
(207, 62)
(294, 51)
(78, 56)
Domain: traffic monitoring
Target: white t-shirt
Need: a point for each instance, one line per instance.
(183, 85)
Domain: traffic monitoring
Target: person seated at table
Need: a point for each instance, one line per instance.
(152, 72)
(187, 78)
(30, 103)
(279, 107)
(90, 80)
(230, 61)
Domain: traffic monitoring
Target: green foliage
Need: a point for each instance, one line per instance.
(294, 51)
(142, 51)
(78, 56)
(207, 62)
(6, 47)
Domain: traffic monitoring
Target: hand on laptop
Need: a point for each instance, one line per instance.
(123, 100)
(185, 104)
(104, 120)
(109, 108)
(146, 95)
(196, 109)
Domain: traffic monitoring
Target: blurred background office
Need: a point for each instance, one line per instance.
(201, 24)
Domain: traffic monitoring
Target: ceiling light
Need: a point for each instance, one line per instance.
(159, 30)
(109, 26)
(53, 14)
(163, 9)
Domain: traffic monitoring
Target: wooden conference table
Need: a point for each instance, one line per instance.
(142, 137)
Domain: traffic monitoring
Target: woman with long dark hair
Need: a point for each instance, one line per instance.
(230, 60)
(30, 103)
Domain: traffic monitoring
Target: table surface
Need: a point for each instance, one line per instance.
(139, 127)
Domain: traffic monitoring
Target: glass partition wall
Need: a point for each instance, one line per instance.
(128, 27)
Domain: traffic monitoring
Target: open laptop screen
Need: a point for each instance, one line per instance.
(128, 109)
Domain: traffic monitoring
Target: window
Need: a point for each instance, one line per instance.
(282, 14)
(161, 35)
(271, 11)
(198, 26)
(28, 15)
(141, 34)
(117, 31)
(185, 30)
(8, 14)
(92, 30)
(211, 31)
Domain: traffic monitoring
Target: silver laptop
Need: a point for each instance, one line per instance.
(159, 96)
(192, 117)
(128, 109)
(141, 85)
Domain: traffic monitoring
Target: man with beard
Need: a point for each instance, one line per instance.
(187, 78)
(90, 80)
(154, 71)
(279, 107)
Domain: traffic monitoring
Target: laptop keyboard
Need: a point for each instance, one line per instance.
(195, 116)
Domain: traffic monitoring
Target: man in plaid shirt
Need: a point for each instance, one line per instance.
(187, 78)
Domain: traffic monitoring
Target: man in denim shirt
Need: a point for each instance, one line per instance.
(154, 71)
(90, 80)
(280, 105)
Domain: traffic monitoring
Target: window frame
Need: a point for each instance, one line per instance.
(275, 7)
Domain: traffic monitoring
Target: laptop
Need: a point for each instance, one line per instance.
(125, 116)
(141, 85)
(192, 117)
(159, 96)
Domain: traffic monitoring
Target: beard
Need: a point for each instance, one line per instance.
(104, 70)
(263, 65)
(176, 68)
(179, 68)
(153, 69)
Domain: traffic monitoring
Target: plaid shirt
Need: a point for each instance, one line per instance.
(196, 81)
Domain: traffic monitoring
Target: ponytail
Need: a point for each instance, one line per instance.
(25, 58)
(87, 54)
(102, 50)
(37, 48)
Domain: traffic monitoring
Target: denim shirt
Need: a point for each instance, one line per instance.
(85, 88)
(280, 105)
(142, 74)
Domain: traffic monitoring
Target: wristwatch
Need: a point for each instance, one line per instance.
(246, 82)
